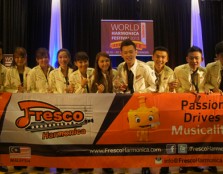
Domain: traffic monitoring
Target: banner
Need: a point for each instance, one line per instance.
(139, 130)
(113, 32)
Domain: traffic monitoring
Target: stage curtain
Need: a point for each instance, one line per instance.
(38, 33)
(212, 26)
(80, 22)
(14, 24)
(1, 20)
(171, 26)
(25, 23)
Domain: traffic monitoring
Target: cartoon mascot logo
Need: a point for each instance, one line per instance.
(143, 118)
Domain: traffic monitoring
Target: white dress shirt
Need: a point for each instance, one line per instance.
(57, 81)
(3, 71)
(183, 74)
(144, 76)
(12, 81)
(213, 75)
(75, 81)
(37, 82)
(166, 76)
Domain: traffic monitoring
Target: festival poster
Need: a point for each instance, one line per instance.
(113, 32)
(7, 60)
(139, 130)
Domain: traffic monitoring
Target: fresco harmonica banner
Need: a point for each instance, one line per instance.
(111, 130)
(113, 32)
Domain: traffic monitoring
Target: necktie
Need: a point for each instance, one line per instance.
(87, 88)
(194, 80)
(67, 80)
(130, 81)
(21, 78)
(221, 84)
(157, 81)
(107, 84)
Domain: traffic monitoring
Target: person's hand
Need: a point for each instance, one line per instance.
(21, 89)
(48, 89)
(173, 85)
(101, 88)
(216, 90)
(116, 84)
(123, 87)
(119, 85)
(84, 82)
(207, 91)
(70, 89)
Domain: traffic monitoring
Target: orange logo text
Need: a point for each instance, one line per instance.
(51, 113)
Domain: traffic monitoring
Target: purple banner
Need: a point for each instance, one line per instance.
(113, 32)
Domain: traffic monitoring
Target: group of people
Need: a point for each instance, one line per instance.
(131, 76)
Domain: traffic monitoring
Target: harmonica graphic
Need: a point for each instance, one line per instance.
(43, 126)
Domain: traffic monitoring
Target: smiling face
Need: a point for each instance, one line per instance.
(63, 59)
(129, 53)
(43, 61)
(82, 65)
(43, 58)
(143, 117)
(160, 58)
(104, 63)
(19, 57)
(20, 61)
(194, 59)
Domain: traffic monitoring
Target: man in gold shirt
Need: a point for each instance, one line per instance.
(215, 71)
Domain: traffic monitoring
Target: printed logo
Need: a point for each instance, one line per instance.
(143, 117)
(158, 160)
(171, 148)
(49, 117)
(182, 148)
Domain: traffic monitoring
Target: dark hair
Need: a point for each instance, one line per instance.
(65, 50)
(219, 48)
(161, 48)
(194, 49)
(98, 76)
(81, 56)
(127, 42)
(68, 54)
(20, 52)
(41, 53)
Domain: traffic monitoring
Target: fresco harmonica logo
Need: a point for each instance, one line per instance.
(48, 117)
